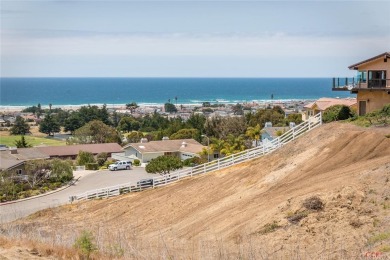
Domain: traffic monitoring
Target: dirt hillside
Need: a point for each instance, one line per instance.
(254, 210)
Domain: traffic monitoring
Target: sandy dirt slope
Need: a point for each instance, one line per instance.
(244, 211)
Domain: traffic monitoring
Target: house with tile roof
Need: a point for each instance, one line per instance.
(322, 104)
(146, 151)
(372, 83)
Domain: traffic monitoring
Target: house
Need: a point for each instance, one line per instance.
(322, 104)
(14, 159)
(146, 151)
(372, 84)
(71, 151)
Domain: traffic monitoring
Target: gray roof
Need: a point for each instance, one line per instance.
(9, 161)
(272, 130)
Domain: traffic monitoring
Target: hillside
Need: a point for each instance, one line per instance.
(254, 210)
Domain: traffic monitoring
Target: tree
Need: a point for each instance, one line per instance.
(196, 121)
(254, 133)
(337, 112)
(164, 165)
(37, 172)
(127, 124)
(135, 137)
(49, 125)
(20, 127)
(73, 122)
(96, 132)
(186, 134)
(238, 109)
(22, 143)
(84, 157)
(61, 171)
(170, 108)
(102, 158)
(132, 107)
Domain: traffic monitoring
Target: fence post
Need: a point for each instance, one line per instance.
(309, 123)
(204, 168)
(233, 159)
(191, 170)
(320, 118)
(218, 163)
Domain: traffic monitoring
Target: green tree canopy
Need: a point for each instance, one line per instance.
(49, 125)
(61, 170)
(186, 134)
(134, 137)
(170, 108)
(96, 132)
(20, 127)
(84, 157)
(337, 112)
(164, 165)
(254, 133)
(22, 143)
(127, 124)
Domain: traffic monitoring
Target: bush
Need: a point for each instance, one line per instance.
(85, 244)
(102, 158)
(313, 203)
(337, 112)
(137, 162)
(92, 166)
(83, 158)
(193, 161)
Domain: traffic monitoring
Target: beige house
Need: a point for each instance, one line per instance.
(372, 84)
(146, 151)
(322, 104)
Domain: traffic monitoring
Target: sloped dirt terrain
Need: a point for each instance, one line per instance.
(255, 210)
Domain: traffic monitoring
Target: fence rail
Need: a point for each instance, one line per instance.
(261, 150)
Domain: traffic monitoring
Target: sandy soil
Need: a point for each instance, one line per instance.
(244, 211)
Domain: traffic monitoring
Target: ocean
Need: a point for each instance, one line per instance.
(151, 91)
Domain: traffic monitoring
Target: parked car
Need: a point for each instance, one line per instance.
(120, 165)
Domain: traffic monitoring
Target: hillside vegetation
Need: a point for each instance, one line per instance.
(325, 195)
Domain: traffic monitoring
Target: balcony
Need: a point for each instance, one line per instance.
(355, 84)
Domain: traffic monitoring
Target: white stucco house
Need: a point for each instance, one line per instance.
(146, 151)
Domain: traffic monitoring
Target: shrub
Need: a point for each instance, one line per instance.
(92, 166)
(313, 203)
(107, 163)
(297, 216)
(102, 158)
(137, 162)
(337, 112)
(61, 170)
(268, 228)
(83, 158)
(85, 244)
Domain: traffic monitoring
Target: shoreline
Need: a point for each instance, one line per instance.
(16, 108)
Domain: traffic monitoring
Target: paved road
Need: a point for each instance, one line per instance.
(87, 182)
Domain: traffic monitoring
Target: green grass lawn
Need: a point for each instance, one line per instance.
(32, 140)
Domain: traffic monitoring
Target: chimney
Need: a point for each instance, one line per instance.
(165, 138)
(183, 144)
(13, 150)
(144, 140)
(268, 124)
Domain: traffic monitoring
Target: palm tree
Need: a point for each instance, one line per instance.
(254, 133)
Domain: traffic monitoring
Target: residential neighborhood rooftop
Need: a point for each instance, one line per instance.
(324, 103)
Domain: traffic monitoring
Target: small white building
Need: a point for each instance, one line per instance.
(146, 151)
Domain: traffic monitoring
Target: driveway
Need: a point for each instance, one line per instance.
(89, 181)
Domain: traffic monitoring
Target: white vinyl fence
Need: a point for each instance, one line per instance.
(262, 149)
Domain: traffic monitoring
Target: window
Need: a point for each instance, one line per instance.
(362, 76)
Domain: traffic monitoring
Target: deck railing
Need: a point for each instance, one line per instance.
(234, 159)
(349, 84)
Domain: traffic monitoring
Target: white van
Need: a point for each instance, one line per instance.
(120, 165)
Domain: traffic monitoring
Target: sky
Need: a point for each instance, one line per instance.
(127, 38)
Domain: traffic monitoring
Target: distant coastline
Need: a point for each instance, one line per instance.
(67, 92)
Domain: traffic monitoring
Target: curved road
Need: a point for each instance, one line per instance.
(89, 181)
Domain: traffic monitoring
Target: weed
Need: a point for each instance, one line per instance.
(356, 223)
(296, 217)
(384, 249)
(376, 222)
(379, 237)
(313, 203)
(85, 243)
(268, 228)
